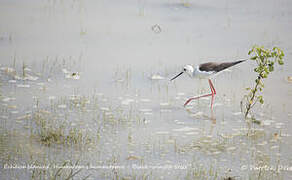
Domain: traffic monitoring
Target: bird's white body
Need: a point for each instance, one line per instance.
(194, 72)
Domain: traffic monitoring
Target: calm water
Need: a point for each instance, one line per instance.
(86, 83)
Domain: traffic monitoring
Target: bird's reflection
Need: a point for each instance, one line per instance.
(211, 117)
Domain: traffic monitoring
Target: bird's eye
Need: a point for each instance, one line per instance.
(185, 69)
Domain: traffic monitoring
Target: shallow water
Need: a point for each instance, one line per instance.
(87, 83)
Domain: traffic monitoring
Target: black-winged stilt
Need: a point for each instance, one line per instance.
(205, 71)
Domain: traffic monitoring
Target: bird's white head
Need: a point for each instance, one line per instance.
(186, 69)
(189, 70)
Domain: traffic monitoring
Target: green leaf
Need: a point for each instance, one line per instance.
(261, 99)
(265, 61)
(259, 51)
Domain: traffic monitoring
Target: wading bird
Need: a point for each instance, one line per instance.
(206, 71)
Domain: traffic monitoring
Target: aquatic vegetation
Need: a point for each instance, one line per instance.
(265, 60)
(50, 131)
(209, 145)
(67, 170)
(140, 124)
(126, 129)
(94, 91)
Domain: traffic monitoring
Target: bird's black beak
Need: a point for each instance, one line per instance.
(177, 76)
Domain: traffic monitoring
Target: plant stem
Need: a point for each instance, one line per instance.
(252, 98)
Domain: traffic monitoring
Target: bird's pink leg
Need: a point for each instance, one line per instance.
(212, 87)
(189, 100)
(213, 92)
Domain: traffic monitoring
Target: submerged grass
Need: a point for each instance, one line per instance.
(50, 131)
(112, 129)
(67, 171)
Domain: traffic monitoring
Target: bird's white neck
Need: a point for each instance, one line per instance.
(189, 70)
